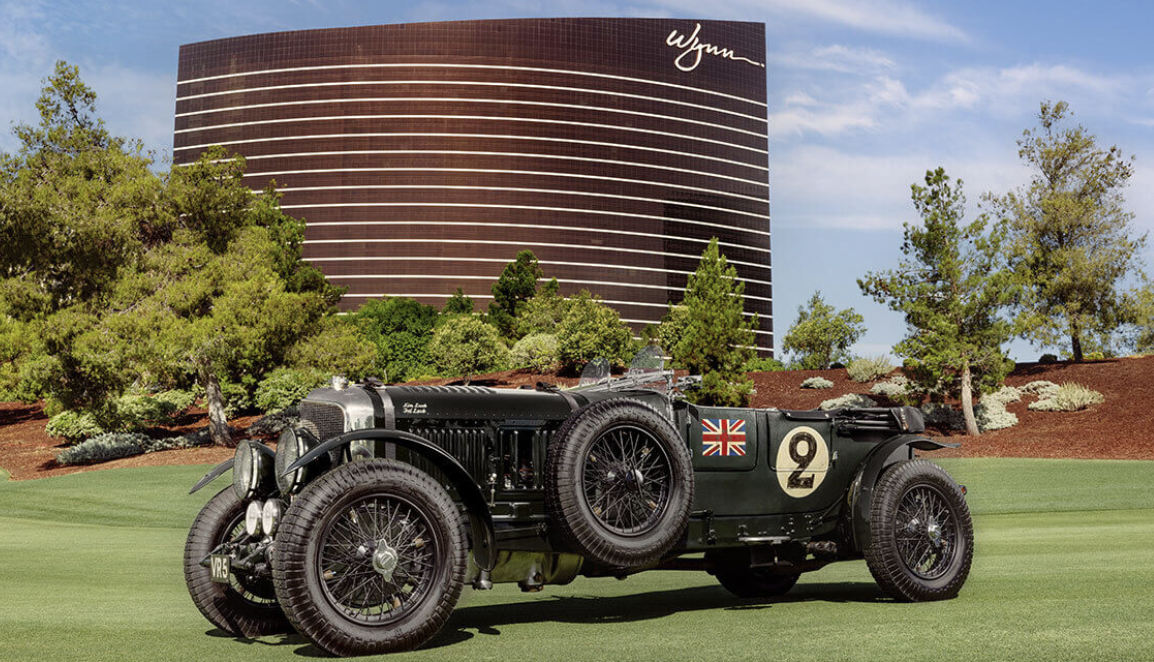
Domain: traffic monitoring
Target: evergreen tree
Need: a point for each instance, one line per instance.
(590, 329)
(1071, 241)
(516, 285)
(822, 335)
(401, 328)
(458, 304)
(951, 286)
(718, 339)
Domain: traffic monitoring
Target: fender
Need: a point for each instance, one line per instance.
(895, 449)
(480, 519)
(214, 474)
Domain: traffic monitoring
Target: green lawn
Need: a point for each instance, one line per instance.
(1064, 570)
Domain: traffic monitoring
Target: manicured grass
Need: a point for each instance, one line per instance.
(90, 570)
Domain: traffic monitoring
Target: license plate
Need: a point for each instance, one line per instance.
(221, 568)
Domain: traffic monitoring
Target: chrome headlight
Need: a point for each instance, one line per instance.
(292, 444)
(252, 518)
(270, 516)
(252, 470)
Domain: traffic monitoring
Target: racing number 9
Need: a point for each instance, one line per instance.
(802, 461)
(796, 481)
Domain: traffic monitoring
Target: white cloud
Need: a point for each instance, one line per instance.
(892, 17)
(835, 58)
(826, 187)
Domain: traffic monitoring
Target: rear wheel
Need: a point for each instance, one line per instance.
(739, 578)
(246, 606)
(370, 558)
(922, 537)
(619, 484)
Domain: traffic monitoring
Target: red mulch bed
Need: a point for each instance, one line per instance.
(1120, 428)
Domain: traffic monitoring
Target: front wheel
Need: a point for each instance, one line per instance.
(370, 558)
(922, 537)
(246, 606)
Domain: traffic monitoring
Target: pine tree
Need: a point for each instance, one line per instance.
(717, 339)
(1071, 242)
(951, 286)
(822, 334)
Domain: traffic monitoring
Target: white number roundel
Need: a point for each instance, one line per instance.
(802, 461)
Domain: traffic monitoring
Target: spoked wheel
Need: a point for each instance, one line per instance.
(370, 558)
(922, 535)
(619, 484)
(247, 605)
(626, 479)
(376, 559)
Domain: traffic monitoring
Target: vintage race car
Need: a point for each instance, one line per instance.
(361, 529)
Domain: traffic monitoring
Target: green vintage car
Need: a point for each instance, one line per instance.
(362, 528)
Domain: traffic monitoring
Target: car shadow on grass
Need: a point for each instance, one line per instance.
(467, 622)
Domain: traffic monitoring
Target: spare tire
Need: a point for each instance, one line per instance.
(619, 484)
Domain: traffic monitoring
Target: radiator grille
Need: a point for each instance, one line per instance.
(329, 418)
(468, 445)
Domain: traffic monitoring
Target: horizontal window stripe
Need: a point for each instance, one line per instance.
(546, 263)
(538, 226)
(444, 65)
(514, 189)
(559, 280)
(368, 152)
(483, 136)
(491, 118)
(305, 102)
(526, 244)
(533, 207)
(493, 171)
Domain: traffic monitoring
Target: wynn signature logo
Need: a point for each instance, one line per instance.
(692, 48)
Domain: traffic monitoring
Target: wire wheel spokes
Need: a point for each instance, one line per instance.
(926, 532)
(626, 479)
(377, 559)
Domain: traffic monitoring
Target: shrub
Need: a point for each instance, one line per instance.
(104, 447)
(890, 389)
(135, 411)
(817, 382)
(1094, 356)
(538, 352)
(1041, 388)
(991, 414)
(117, 445)
(764, 364)
(942, 415)
(465, 345)
(868, 369)
(591, 329)
(1004, 395)
(284, 388)
(1048, 358)
(1069, 397)
(73, 426)
(848, 400)
(276, 422)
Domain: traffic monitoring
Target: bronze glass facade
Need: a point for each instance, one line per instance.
(424, 156)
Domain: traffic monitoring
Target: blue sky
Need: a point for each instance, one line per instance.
(864, 96)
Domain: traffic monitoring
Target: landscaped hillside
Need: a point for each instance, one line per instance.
(1122, 427)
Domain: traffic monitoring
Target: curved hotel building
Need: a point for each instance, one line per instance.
(424, 156)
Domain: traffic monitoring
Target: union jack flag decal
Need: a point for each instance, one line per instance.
(722, 436)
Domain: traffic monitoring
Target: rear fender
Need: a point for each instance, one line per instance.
(893, 450)
(480, 519)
